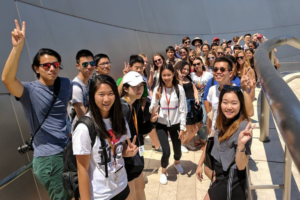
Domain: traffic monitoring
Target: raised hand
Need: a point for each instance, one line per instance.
(126, 68)
(224, 40)
(158, 94)
(245, 80)
(154, 115)
(245, 135)
(18, 35)
(205, 42)
(152, 69)
(132, 149)
(176, 47)
(180, 77)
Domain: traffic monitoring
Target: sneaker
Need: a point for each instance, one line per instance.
(178, 168)
(184, 149)
(169, 138)
(189, 147)
(157, 150)
(163, 179)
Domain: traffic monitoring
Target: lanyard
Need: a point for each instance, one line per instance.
(168, 100)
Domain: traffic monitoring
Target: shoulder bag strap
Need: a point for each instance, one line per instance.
(54, 97)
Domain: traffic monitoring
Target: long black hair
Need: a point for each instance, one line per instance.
(174, 81)
(180, 66)
(115, 112)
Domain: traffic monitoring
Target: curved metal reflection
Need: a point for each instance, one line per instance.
(284, 105)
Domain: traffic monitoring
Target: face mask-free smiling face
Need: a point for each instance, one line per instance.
(167, 76)
(221, 73)
(135, 91)
(104, 98)
(185, 71)
(230, 105)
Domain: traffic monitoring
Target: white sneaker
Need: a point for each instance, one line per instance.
(178, 168)
(184, 149)
(163, 179)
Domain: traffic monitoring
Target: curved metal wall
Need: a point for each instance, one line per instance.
(119, 29)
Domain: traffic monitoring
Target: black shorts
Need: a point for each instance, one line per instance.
(122, 195)
(134, 166)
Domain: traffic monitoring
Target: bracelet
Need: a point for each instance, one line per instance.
(243, 150)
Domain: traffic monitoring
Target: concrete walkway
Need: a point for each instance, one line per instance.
(266, 166)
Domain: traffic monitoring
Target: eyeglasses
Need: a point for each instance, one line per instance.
(187, 42)
(103, 64)
(48, 65)
(220, 53)
(211, 58)
(182, 52)
(231, 88)
(158, 60)
(241, 57)
(197, 64)
(191, 56)
(86, 64)
(222, 69)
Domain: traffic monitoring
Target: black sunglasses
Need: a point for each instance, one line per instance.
(187, 42)
(48, 65)
(220, 53)
(158, 60)
(231, 88)
(222, 69)
(197, 64)
(86, 64)
(241, 57)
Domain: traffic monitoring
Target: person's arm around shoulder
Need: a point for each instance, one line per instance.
(13, 85)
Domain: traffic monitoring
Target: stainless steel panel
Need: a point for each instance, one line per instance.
(8, 13)
(34, 2)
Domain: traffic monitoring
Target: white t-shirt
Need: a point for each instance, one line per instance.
(177, 111)
(201, 81)
(101, 188)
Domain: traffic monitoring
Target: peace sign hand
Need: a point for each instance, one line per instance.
(180, 77)
(132, 149)
(224, 40)
(18, 35)
(205, 42)
(126, 69)
(245, 135)
(158, 94)
(152, 69)
(154, 114)
(245, 80)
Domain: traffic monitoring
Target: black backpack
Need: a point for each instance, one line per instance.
(70, 177)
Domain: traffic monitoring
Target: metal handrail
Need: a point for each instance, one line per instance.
(10, 178)
(284, 104)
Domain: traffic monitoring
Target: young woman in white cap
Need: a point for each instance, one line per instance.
(170, 96)
(133, 87)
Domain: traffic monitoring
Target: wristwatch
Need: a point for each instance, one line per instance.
(243, 150)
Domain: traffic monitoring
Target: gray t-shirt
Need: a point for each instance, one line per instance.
(80, 94)
(36, 100)
(226, 151)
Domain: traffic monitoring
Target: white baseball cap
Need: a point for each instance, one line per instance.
(133, 78)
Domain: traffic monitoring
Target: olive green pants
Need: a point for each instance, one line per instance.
(48, 170)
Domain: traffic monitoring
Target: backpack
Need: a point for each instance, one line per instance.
(70, 177)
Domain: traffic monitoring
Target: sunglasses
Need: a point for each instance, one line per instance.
(231, 88)
(86, 64)
(222, 69)
(158, 60)
(197, 64)
(220, 53)
(211, 58)
(48, 65)
(227, 52)
(182, 52)
(187, 42)
(104, 64)
(241, 57)
(191, 56)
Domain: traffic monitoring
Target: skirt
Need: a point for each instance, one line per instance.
(229, 185)
(194, 114)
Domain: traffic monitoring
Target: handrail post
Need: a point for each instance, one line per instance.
(264, 119)
(287, 177)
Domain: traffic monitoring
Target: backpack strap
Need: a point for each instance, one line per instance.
(212, 81)
(92, 131)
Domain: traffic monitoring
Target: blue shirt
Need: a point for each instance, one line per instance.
(235, 80)
(36, 101)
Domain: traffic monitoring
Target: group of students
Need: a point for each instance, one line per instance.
(207, 91)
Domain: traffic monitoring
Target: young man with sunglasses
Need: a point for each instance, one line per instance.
(36, 97)
(86, 65)
(186, 41)
(222, 72)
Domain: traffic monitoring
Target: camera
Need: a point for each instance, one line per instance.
(26, 147)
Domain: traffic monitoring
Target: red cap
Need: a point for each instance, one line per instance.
(216, 38)
(259, 35)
